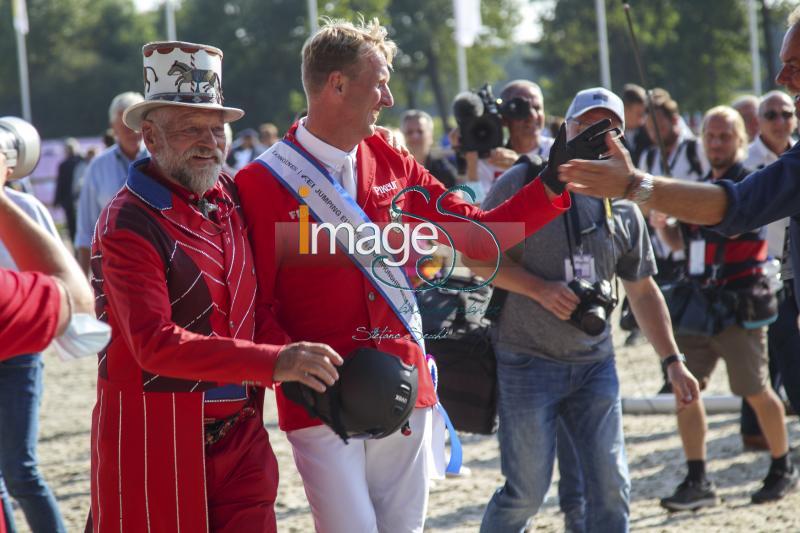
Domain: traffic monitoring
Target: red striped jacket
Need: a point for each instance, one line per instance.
(178, 291)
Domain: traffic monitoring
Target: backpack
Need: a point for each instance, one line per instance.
(691, 154)
(458, 336)
(465, 357)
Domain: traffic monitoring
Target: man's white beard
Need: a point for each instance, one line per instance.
(198, 181)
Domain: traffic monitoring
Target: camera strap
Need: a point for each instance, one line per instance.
(572, 228)
(572, 214)
(612, 230)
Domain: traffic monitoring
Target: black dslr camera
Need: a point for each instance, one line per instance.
(596, 303)
(516, 108)
(20, 143)
(479, 121)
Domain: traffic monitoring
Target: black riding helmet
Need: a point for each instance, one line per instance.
(372, 398)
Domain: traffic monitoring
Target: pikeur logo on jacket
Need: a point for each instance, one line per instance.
(381, 190)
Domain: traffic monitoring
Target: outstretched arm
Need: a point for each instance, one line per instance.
(616, 177)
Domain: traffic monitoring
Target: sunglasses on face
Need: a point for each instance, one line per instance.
(772, 115)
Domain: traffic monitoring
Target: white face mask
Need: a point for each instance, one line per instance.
(84, 336)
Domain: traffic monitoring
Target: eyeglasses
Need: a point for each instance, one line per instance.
(580, 123)
(772, 115)
(583, 124)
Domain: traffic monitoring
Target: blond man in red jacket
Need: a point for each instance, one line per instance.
(334, 164)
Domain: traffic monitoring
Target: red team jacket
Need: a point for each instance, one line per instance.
(328, 300)
(178, 292)
(29, 307)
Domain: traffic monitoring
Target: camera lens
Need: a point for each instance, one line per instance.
(516, 109)
(21, 140)
(593, 321)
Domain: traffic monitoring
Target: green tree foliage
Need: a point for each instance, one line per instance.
(772, 19)
(698, 51)
(83, 52)
(423, 29)
(262, 42)
(80, 54)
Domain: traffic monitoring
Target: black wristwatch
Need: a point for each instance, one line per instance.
(668, 360)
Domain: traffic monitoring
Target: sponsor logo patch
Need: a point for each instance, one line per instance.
(381, 190)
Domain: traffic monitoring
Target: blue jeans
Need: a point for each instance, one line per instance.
(533, 394)
(20, 395)
(570, 483)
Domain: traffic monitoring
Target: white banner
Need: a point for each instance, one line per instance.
(468, 21)
(20, 11)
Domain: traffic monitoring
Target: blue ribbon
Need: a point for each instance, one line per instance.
(456, 452)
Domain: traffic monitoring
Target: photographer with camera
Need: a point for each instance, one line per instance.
(36, 304)
(479, 135)
(555, 358)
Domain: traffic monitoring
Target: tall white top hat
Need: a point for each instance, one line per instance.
(180, 74)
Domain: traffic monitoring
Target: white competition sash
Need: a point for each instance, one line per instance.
(329, 202)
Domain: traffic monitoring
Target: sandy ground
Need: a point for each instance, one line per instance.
(653, 449)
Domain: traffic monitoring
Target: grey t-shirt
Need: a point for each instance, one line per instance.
(527, 327)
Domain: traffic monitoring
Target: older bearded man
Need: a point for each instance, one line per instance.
(177, 437)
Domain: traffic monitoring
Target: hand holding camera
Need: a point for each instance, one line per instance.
(589, 144)
(503, 157)
(556, 297)
(597, 301)
(585, 305)
(480, 117)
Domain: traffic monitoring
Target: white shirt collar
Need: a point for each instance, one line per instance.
(330, 156)
(762, 149)
(772, 156)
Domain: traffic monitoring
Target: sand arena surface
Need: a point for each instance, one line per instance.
(653, 447)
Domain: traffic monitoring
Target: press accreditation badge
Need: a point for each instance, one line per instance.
(697, 257)
(584, 266)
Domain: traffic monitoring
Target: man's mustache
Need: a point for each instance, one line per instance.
(201, 152)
